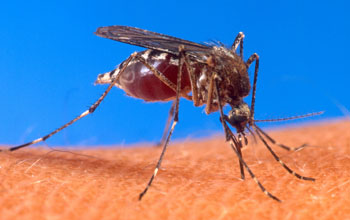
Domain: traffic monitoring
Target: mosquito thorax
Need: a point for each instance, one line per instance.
(239, 116)
(234, 83)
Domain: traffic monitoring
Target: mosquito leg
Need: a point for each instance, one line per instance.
(85, 113)
(228, 132)
(263, 189)
(279, 144)
(252, 58)
(171, 85)
(193, 81)
(175, 121)
(210, 94)
(167, 125)
(279, 160)
(238, 145)
(238, 41)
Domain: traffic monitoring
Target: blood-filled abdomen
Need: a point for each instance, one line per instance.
(138, 81)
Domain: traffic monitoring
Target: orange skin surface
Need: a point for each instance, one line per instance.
(198, 180)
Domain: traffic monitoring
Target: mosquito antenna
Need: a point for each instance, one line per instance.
(291, 118)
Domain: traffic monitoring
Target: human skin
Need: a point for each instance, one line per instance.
(198, 180)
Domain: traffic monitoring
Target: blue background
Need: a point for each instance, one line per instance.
(49, 59)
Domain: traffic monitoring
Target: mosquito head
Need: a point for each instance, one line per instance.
(238, 117)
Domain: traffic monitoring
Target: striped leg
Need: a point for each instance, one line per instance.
(175, 121)
(278, 159)
(252, 58)
(238, 41)
(167, 125)
(238, 146)
(85, 113)
(229, 133)
(279, 144)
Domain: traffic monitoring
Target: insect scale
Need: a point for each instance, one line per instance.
(211, 75)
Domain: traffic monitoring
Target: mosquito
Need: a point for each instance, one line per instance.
(207, 74)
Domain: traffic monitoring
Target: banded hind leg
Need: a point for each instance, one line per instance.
(167, 125)
(82, 115)
(172, 86)
(175, 121)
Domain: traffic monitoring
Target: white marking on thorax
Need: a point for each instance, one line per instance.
(225, 51)
(174, 61)
(161, 56)
(145, 55)
(203, 79)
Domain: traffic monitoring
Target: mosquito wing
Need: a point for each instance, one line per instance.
(153, 40)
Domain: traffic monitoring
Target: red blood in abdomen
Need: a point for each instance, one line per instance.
(139, 81)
